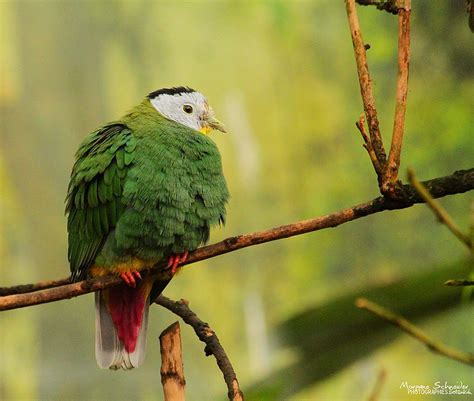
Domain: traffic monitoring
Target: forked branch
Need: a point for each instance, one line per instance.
(386, 169)
(365, 84)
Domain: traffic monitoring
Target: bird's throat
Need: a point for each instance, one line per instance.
(205, 130)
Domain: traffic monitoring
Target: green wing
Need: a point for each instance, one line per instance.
(93, 202)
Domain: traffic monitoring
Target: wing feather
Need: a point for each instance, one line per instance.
(93, 203)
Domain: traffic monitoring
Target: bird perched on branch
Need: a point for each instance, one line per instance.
(144, 190)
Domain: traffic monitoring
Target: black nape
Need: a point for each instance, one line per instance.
(176, 90)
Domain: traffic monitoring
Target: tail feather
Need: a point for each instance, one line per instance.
(110, 352)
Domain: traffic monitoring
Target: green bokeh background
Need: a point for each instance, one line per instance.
(281, 75)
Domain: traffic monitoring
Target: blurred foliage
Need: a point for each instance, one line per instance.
(281, 74)
(18, 343)
(319, 335)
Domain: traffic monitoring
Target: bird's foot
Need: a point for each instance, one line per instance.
(130, 277)
(175, 260)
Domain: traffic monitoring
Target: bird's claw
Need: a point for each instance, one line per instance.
(175, 260)
(131, 277)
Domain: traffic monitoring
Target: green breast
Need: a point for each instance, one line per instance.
(173, 193)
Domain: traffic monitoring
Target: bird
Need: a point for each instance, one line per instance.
(144, 191)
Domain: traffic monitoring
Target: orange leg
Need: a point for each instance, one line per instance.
(130, 277)
(175, 260)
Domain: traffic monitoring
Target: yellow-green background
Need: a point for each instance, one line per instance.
(281, 75)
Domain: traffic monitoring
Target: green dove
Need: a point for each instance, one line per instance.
(144, 190)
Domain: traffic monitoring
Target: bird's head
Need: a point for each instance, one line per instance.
(186, 106)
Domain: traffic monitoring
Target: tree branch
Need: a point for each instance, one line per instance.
(415, 332)
(459, 182)
(209, 337)
(393, 164)
(368, 146)
(386, 169)
(172, 371)
(375, 393)
(365, 83)
(24, 288)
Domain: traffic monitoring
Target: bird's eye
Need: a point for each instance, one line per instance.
(187, 108)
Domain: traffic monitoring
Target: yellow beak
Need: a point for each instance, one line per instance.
(212, 123)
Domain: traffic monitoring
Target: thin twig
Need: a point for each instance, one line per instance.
(393, 164)
(365, 83)
(172, 371)
(375, 393)
(368, 145)
(459, 283)
(415, 332)
(209, 337)
(438, 210)
(459, 182)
